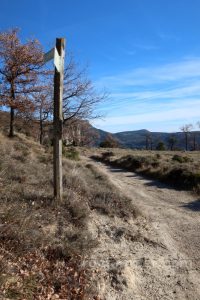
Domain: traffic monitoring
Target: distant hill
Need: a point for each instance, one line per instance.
(127, 139)
(137, 139)
(132, 139)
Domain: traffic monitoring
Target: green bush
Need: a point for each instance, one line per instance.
(181, 159)
(160, 146)
(183, 178)
(137, 162)
(71, 153)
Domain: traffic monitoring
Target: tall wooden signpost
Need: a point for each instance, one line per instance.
(57, 54)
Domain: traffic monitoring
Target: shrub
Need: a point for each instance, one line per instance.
(183, 178)
(181, 159)
(160, 146)
(71, 153)
(158, 156)
(107, 154)
(137, 162)
(44, 158)
(19, 146)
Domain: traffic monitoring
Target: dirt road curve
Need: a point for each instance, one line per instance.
(174, 214)
(174, 223)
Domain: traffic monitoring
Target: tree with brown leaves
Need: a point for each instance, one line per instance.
(109, 142)
(20, 66)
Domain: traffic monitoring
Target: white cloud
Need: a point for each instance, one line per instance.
(191, 89)
(166, 94)
(173, 72)
(178, 114)
(175, 113)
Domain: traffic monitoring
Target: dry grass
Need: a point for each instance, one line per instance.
(37, 234)
(180, 169)
(42, 243)
(100, 193)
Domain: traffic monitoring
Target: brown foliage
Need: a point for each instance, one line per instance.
(109, 142)
(19, 72)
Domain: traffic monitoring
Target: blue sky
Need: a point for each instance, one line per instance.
(146, 53)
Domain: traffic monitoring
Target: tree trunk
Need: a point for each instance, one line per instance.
(172, 146)
(12, 110)
(151, 142)
(147, 143)
(41, 127)
(186, 141)
(194, 142)
(12, 117)
(41, 132)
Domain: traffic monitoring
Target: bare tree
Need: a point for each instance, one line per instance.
(186, 130)
(80, 98)
(89, 136)
(19, 73)
(194, 140)
(147, 140)
(195, 137)
(172, 141)
(43, 109)
(151, 141)
(80, 133)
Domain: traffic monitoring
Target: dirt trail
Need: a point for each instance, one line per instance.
(165, 264)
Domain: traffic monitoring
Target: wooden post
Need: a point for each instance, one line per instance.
(58, 120)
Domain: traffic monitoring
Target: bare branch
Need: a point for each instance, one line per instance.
(80, 98)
